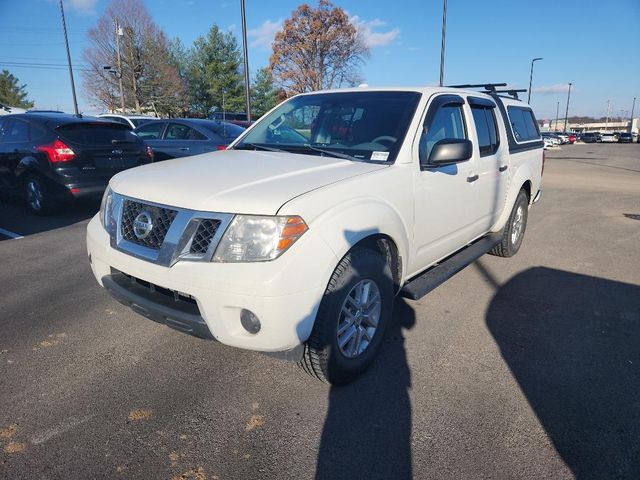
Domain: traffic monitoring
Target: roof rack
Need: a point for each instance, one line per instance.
(491, 89)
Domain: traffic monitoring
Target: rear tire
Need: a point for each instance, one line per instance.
(353, 315)
(39, 196)
(513, 232)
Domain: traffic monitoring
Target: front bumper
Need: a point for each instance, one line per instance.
(284, 294)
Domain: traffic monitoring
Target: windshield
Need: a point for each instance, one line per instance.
(366, 126)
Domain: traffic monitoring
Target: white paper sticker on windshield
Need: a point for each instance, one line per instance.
(382, 156)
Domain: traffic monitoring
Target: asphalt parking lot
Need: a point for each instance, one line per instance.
(515, 368)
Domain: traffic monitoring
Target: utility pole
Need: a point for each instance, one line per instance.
(566, 115)
(444, 36)
(531, 78)
(247, 91)
(606, 124)
(119, 33)
(66, 41)
(633, 107)
(557, 112)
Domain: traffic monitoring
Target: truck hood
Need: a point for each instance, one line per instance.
(235, 181)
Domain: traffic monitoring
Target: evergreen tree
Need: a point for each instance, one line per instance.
(264, 95)
(11, 93)
(214, 75)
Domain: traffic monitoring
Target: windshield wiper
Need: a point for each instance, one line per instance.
(257, 146)
(331, 153)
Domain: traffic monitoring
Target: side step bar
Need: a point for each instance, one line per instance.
(419, 286)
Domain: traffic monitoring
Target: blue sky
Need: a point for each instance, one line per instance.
(593, 44)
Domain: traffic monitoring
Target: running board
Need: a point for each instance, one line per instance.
(419, 286)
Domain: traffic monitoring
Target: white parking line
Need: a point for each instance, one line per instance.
(9, 234)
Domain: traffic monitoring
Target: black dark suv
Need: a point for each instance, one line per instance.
(51, 157)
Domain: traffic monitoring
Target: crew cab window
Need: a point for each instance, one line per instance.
(523, 123)
(448, 123)
(150, 131)
(16, 131)
(176, 131)
(485, 122)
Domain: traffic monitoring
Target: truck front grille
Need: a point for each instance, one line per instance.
(204, 234)
(161, 219)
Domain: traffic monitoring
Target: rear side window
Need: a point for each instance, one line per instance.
(16, 131)
(96, 133)
(485, 122)
(176, 131)
(150, 131)
(523, 124)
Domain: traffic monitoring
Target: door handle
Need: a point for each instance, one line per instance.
(184, 149)
(503, 168)
(472, 179)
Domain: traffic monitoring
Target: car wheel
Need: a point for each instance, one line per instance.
(353, 315)
(38, 195)
(513, 232)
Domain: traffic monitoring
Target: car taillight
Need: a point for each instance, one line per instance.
(221, 147)
(58, 151)
(148, 152)
(543, 158)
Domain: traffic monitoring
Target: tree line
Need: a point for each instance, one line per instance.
(317, 48)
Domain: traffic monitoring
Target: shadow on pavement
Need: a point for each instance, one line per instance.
(16, 218)
(367, 432)
(572, 343)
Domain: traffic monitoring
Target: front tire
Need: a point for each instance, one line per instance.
(352, 318)
(513, 232)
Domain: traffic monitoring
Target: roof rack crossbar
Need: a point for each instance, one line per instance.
(487, 86)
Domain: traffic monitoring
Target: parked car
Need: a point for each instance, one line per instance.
(53, 157)
(572, 138)
(237, 118)
(8, 110)
(590, 137)
(625, 137)
(295, 240)
(548, 142)
(132, 121)
(608, 137)
(551, 138)
(183, 137)
(564, 138)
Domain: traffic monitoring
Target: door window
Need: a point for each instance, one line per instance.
(448, 123)
(523, 124)
(176, 131)
(485, 122)
(151, 131)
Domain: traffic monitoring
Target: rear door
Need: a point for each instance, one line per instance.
(14, 147)
(181, 140)
(102, 148)
(492, 165)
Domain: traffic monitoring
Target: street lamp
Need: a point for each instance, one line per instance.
(245, 55)
(66, 41)
(531, 77)
(444, 36)
(566, 114)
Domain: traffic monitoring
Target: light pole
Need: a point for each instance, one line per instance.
(633, 107)
(531, 77)
(566, 114)
(119, 33)
(557, 112)
(247, 92)
(66, 41)
(444, 36)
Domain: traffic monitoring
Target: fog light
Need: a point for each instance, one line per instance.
(249, 321)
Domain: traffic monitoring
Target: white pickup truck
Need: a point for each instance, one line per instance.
(296, 239)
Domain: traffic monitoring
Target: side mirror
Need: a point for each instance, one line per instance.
(449, 151)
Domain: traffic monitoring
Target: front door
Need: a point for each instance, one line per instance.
(445, 212)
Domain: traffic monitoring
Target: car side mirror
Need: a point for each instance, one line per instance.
(449, 151)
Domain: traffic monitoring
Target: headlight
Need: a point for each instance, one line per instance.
(258, 238)
(105, 209)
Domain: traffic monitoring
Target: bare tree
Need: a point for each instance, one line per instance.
(317, 48)
(150, 81)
